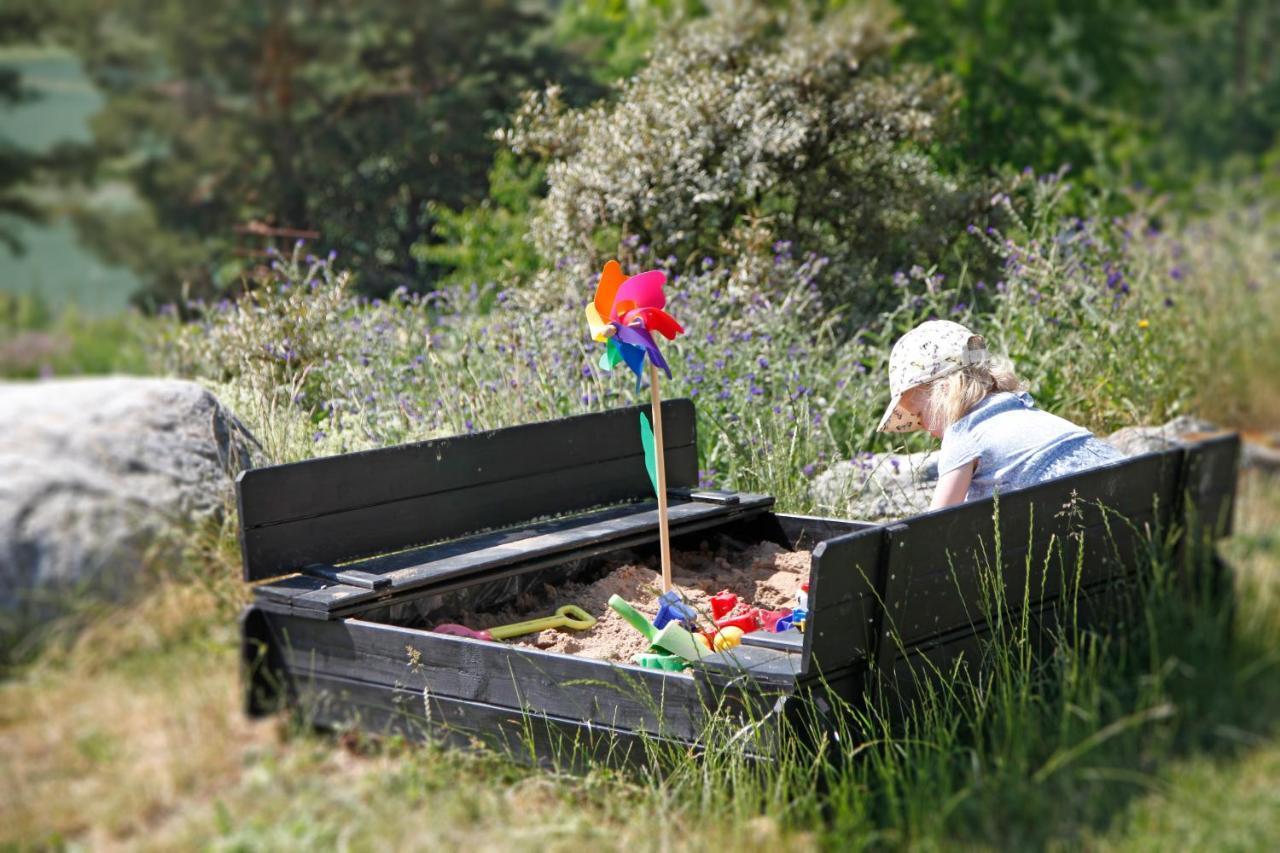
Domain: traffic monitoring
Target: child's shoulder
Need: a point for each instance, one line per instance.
(985, 411)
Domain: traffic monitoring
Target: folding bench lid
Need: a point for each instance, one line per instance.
(366, 526)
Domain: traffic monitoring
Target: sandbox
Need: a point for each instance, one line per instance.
(763, 575)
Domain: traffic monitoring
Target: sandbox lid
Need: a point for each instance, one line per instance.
(327, 591)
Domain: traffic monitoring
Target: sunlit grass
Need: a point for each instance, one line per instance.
(133, 733)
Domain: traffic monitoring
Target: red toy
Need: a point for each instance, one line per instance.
(769, 618)
(748, 622)
(722, 604)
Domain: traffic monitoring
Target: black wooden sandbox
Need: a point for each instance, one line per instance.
(355, 552)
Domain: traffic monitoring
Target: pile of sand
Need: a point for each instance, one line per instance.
(764, 575)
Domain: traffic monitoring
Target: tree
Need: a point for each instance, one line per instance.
(20, 22)
(343, 117)
(1140, 89)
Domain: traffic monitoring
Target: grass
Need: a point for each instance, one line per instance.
(129, 731)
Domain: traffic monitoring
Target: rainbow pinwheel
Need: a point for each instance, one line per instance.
(625, 314)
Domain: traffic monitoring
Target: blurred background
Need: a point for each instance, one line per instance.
(151, 151)
(362, 223)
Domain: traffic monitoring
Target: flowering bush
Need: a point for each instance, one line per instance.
(317, 369)
(1122, 320)
(745, 123)
(1111, 321)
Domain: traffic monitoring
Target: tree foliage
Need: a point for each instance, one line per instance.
(1164, 92)
(20, 22)
(344, 117)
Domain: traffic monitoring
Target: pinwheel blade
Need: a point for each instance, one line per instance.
(598, 325)
(607, 290)
(655, 320)
(634, 358)
(611, 357)
(650, 455)
(638, 336)
(640, 291)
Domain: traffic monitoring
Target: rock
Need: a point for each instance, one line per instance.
(94, 471)
(1261, 450)
(877, 486)
(1147, 439)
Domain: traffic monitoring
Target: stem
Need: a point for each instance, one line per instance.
(664, 535)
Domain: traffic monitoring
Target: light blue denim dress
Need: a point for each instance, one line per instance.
(1018, 445)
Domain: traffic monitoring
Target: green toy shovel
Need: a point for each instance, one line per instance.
(673, 638)
(569, 616)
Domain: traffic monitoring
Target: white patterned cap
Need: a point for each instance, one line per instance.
(930, 351)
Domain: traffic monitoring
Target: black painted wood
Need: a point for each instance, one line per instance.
(542, 739)
(934, 665)
(806, 531)
(493, 673)
(787, 641)
(845, 591)
(339, 508)
(1210, 482)
(944, 665)
(450, 565)
(771, 666)
(1024, 544)
(902, 603)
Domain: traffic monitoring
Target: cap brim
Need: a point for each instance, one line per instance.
(897, 420)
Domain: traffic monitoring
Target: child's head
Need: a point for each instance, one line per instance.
(938, 372)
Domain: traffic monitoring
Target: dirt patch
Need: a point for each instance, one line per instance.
(764, 575)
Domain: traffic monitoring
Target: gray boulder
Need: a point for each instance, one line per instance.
(877, 486)
(1134, 440)
(94, 472)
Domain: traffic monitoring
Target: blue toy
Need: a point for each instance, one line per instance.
(672, 608)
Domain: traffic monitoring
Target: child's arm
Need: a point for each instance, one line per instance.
(953, 486)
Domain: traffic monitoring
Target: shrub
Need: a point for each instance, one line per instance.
(746, 128)
(1132, 319)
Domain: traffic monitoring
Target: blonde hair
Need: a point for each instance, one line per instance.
(951, 397)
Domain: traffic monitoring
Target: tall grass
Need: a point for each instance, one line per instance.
(1043, 736)
(138, 734)
(1112, 322)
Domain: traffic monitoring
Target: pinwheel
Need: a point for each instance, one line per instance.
(624, 315)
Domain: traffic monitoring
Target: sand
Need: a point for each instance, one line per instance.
(763, 575)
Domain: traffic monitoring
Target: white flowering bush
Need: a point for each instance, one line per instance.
(749, 128)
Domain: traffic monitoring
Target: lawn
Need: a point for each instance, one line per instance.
(130, 732)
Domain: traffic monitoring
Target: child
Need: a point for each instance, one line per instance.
(993, 436)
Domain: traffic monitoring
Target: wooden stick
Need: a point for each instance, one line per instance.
(664, 534)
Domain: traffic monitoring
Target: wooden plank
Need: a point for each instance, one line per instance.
(933, 583)
(933, 590)
(364, 531)
(806, 531)
(339, 508)
(1209, 482)
(845, 593)
(452, 565)
(262, 690)
(770, 667)
(570, 687)
(936, 665)
(787, 641)
(939, 662)
(544, 740)
(315, 487)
